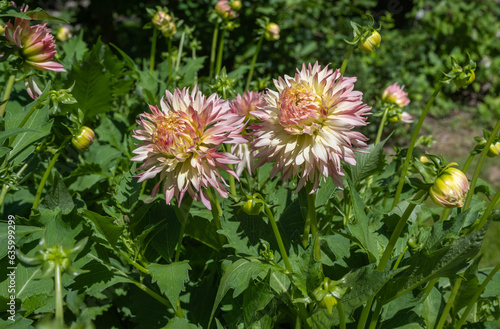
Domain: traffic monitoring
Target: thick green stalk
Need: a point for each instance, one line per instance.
(216, 212)
(277, 235)
(375, 316)
(254, 60)
(44, 179)
(449, 304)
(488, 210)
(219, 52)
(182, 216)
(397, 231)
(311, 218)
(479, 166)
(473, 300)
(364, 314)
(213, 50)
(381, 127)
(179, 52)
(153, 51)
(346, 59)
(58, 297)
(169, 61)
(340, 309)
(193, 55)
(181, 237)
(467, 163)
(409, 153)
(6, 95)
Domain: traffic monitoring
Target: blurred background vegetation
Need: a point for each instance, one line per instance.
(418, 38)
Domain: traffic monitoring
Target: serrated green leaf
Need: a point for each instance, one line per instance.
(108, 132)
(93, 87)
(74, 49)
(42, 15)
(21, 231)
(424, 266)
(58, 196)
(32, 303)
(14, 132)
(368, 163)
(325, 192)
(105, 225)
(307, 274)
(180, 323)
(128, 190)
(360, 227)
(431, 307)
(237, 276)
(170, 278)
(255, 298)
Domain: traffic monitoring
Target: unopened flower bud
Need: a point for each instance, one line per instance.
(63, 34)
(465, 78)
(224, 10)
(230, 26)
(272, 32)
(161, 18)
(236, 5)
(83, 139)
(450, 188)
(328, 302)
(395, 118)
(494, 149)
(168, 30)
(370, 42)
(2, 29)
(394, 94)
(253, 206)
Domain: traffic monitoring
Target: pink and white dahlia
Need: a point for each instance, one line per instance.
(36, 47)
(307, 126)
(244, 105)
(179, 141)
(394, 94)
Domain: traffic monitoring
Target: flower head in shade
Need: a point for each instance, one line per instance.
(394, 94)
(223, 9)
(36, 48)
(307, 126)
(244, 105)
(179, 142)
(450, 188)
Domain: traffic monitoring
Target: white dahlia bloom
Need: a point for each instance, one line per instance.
(180, 142)
(307, 126)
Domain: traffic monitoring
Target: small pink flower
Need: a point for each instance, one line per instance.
(406, 117)
(223, 8)
(244, 105)
(307, 126)
(180, 142)
(394, 94)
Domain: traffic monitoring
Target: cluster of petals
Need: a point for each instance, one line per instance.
(394, 94)
(450, 188)
(307, 126)
(36, 47)
(243, 105)
(179, 142)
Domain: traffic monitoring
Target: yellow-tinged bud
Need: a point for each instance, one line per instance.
(369, 43)
(63, 34)
(2, 29)
(466, 77)
(83, 139)
(236, 5)
(395, 119)
(328, 302)
(272, 32)
(253, 206)
(494, 150)
(450, 188)
(161, 18)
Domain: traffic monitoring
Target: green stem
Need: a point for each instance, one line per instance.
(478, 293)
(153, 51)
(132, 262)
(397, 231)
(46, 175)
(179, 243)
(409, 153)
(346, 59)
(193, 53)
(467, 163)
(216, 212)
(58, 297)
(169, 61)
(449, 304)
(179, 52)
(6, 95)
(232, 182)
(212, 52)
(398, 261)
(364, 314)
(219, 52)
(182, 216)
(254, 60)
(479, 166)
(311, 217)
(6, 187)
(488, 210)
(381, 127)
(429, 287)
(375, 316)
(277, 235)
(340, 309)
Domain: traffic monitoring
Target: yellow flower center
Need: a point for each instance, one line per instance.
(300, 109)
(174, 136)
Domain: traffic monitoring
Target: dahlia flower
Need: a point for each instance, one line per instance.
(307, 125)
(179, 141)
(36, 48)
(243, 105)
(394, 94)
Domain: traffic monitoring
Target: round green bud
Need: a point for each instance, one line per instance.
(83, 139)
(494, 150)
(370, 42)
